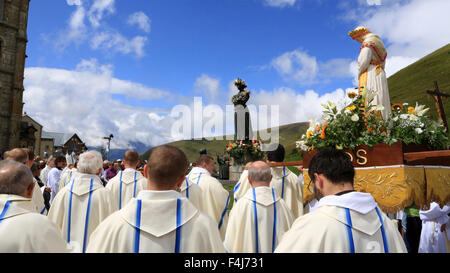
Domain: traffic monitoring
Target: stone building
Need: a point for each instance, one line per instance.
(13, 41)
(62, 144)
(30, 134)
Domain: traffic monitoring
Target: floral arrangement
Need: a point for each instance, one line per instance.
(361, 123)
(238, 150)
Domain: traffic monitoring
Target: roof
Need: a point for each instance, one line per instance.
(59, 138)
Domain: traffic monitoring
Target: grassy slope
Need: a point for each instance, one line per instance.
(410, 84)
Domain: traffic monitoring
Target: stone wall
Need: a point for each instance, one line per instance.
(13, 40)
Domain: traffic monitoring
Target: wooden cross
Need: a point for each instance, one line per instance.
(437, 95)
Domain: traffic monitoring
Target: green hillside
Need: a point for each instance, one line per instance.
(289, 134)
(411, 83)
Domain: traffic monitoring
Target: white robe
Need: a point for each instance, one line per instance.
(257, 226)
(288, 187)
(53, 182)
(67, 177)
(215, 197)
(193, 192)
(38, 198)
(375, 82)
(432, 240)
(157, 222)
(343, 224)
(44, 174)
(124, 186)
(24, 231)
(242, 186)
(79, 208)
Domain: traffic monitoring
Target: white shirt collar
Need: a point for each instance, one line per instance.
(199, 170)
(357, 201)
(159, 195)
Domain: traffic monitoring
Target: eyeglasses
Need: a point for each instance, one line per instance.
(309, 184)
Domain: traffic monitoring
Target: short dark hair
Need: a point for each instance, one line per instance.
(166, 165)
(30, 153)
(334, 164)
(276, 155)
(131, 157)
(59, 158)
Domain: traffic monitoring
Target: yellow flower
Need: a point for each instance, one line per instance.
(309, 134)
(351, 108)
(411, 110)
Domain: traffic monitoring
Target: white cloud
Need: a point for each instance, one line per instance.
(296, 66)
(141, 20)
(98, 9)
(73, 2)
(81, 101)
(208, 86)
(280, 3)
(116, 42)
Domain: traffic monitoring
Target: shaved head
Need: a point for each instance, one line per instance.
(15, 178)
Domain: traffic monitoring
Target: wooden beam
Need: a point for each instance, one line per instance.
(287, 164)
(423, 155)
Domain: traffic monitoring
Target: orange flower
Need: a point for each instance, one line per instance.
(352, 95)
(411, 110)
(397, 107)
(322, 135)
(317, 128)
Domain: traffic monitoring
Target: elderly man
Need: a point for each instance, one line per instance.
(21, 228)
(285, 182)
(80, 206)
(159, 220)
(215, 197)
(260, 218)
(344, 221)
(50, 165)
(128, 183)
(22, 156)
(55, 175)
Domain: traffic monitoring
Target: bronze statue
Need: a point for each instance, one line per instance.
(243, 96)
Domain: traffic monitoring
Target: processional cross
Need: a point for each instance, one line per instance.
(437, 96)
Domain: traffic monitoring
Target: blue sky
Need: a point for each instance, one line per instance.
(101, 64)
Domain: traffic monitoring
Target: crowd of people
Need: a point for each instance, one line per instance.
(163, 205)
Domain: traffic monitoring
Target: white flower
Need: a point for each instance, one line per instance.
(379, 107)
(395, 119)
(355, 117)
(419, 131)
(413, 117)
(419, 110)
(405, 104)
(404, 116)
(332, 105)
(347, 112)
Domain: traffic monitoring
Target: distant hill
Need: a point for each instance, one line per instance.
(411, 83)
(288, 135)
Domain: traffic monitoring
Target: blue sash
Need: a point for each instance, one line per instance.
(138, 226)
(86, 224)
(383, 233)
(178, 231)
(274, 236)
(256, 221)
(70, 212)
(349, 231)
(282, 184)
(5, 209)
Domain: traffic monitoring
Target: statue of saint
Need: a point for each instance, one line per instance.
(242, 122)
(371, 63)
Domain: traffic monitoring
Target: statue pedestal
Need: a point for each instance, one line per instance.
(237, 166)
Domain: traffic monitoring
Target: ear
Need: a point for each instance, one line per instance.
(29, 190)
(181, 181)
(318, 181)
(146, 171)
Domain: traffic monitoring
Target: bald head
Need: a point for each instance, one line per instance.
(166, 167)
(15, 179)
(259, 174)
(131, 159)
(18, 155)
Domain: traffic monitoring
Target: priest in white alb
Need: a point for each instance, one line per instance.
(260, 218)
(215, 197)
(22, 230)
(127, 183)
(83, 204)
(159, 219)
(434, 228)
(48, 167)
(242, 186)
(285, 182)
(345, 221)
